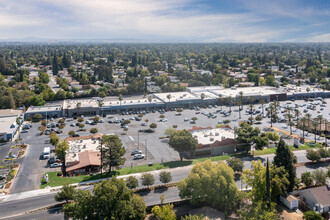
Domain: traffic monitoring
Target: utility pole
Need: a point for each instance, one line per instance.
(146, 149)
(138, 140)
(101, 159)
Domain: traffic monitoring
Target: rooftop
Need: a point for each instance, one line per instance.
(176, 96)
(81, 144)
(321, 194)
(36, 109)
(208, 136)
(86, 158)
(8, 124)
(10, 112)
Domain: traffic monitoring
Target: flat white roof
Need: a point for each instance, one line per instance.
(248, 91)
(176, 96)
(209, 136)
(77, 146)
(126, 102)
(8, 124)
(35, 109)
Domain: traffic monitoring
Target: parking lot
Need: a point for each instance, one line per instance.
(156, 150)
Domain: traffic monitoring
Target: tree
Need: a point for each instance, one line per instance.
(313, 155)
(81, 126)
(211, 184)
(320, 177)
(94, 130)
(256, 178)
(163, 212)
(202, 97)
(37, 117)
(80, 119)
(55, 65)
(120, 98)
(147, 179)
(165, 177)
(71, 133)
(323, 152)
(67, 193)
(283, 157)
(11, 100)
(113, 151)
(60, 151)
(54, 140)
(261, 141)
(111, 199)
(307, 179)
(236, 164)
(183, 142)
(259, 211)
(132, 182)
(315, 124)
(311, 215)
(246, 134)
(43, 77)
(153, 125)
(150, 99)
(96, 119)
(170, 131)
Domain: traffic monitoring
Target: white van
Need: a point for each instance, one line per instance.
(46, 153)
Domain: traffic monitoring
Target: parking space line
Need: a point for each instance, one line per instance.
(131, 138)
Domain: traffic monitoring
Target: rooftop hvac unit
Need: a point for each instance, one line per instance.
(195, 136)
(205, 135)
(223, 138)
(211, 139)
(211, 134)
(216, 133)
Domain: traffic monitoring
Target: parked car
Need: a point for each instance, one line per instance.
(138, 156)
(51, 160)
(76, 135)
(72, 125)
(10, 156)
(53, 165)
(143, 124)
(25, 131)
(134, 152)
(186, 119)
(163, 120)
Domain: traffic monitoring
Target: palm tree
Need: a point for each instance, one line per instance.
(262, 102)
(325, 129)
(320, 119)
(230, 100)
(272, 109)
(308, 117)
(297, 114)
(78, 105)
(120, 97)
(241, 95)
(202, 97)
(289, 117)
(303, 121)
(150, 99)
(251, 113)
(220, 101)
(239, 108)
(315, 123)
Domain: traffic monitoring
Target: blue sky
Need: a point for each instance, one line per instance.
(168, 20)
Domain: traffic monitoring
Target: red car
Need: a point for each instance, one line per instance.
(198, 112)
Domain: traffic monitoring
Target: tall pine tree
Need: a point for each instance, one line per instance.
(284, 157)
(55, 65)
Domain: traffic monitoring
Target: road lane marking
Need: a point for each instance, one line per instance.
(131, 138)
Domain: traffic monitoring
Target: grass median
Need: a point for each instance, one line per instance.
(54, 180)
(292, 148)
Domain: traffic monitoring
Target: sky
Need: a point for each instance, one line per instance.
(167, 20)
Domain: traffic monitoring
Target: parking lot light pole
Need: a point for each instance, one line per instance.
(138, 140)
(146, 149)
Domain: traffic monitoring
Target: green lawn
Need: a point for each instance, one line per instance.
(55, 180)
(273, 150)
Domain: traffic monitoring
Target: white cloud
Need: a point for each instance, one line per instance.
(320, 38)
(163, 19)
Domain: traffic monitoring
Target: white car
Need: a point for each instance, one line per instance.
(53, 165)
(138, 156)
(163, 120)
(134, 152)
(186, 119)
(143, 124)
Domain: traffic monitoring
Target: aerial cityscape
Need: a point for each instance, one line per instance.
(165, 110)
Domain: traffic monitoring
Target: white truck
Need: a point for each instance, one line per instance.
(46, 153)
